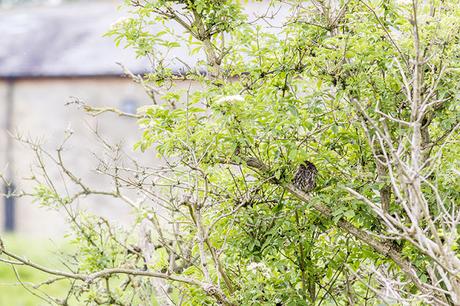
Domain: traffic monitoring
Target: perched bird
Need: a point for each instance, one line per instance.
(305, 177)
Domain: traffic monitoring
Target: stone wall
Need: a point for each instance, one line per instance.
(40, 114)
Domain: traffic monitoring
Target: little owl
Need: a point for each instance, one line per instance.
(305, 177)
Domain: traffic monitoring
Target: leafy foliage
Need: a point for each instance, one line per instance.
(365, 90)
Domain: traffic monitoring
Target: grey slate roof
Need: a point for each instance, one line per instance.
(64, 40)
(67, 41)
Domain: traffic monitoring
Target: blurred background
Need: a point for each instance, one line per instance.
(51, 52)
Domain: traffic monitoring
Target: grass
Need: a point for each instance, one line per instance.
(43, 252)
(16, 287)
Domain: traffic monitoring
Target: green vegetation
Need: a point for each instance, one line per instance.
(312, 162)
(42, 251)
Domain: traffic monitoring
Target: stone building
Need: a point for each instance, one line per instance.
(48, 55)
